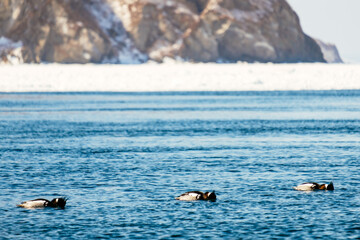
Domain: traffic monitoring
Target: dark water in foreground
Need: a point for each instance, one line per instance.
(122, 158)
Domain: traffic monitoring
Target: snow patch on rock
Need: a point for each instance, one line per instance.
(10, 52)
(113, 27)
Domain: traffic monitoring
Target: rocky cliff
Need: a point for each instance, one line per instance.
(135, 31)
(330, 52)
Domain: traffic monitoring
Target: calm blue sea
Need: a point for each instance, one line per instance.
(121, 158)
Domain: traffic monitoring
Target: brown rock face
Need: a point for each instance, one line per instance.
(156, 27)
(63, 31)
(132, 31)
(213, 30)
(55, 31)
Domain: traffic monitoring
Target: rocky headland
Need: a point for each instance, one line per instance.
(137, 31)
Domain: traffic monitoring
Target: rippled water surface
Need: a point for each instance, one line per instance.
(121, 158)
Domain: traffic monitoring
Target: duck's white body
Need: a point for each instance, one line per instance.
(190, 196)
(196, 195)
(305, 187)
(43, 203)
(37, 203)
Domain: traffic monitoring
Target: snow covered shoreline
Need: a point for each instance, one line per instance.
(178, 77)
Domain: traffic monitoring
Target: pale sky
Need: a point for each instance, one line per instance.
(333, 21)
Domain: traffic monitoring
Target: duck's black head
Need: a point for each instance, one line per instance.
(58, 203)
(210, 196)
(330, 186)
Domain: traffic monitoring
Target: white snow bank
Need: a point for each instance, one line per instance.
(178, 77)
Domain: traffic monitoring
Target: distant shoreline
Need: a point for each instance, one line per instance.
(174, 77)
